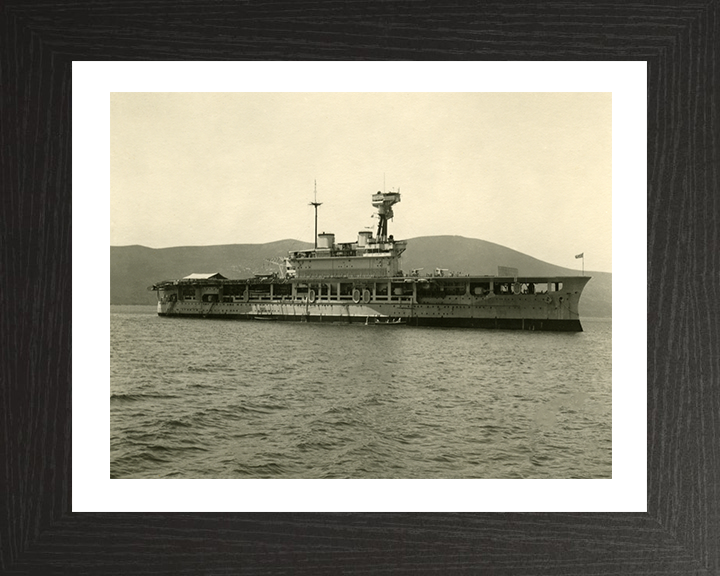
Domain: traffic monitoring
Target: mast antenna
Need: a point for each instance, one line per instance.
(316, 204)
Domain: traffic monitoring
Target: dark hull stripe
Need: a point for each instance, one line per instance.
(489, 323)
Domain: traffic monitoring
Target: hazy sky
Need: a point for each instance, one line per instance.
(531, 171)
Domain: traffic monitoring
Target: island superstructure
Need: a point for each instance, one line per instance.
(361, 281)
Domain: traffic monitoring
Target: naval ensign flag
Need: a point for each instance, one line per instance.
(581, 255)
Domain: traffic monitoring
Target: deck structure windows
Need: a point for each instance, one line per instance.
(455, 288)
(330, 291)
(321, 292)
(314, 292)
(541, 287)
(346, 290)
(260, 291)
(381, 290)
(431, 290)
(402, 291)
(344, 250)
(301, 291)
(480, 288)
(171, 297)
(188, 293)
(233, 292)
(280, 290)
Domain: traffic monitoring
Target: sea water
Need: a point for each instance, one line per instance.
(196, 398)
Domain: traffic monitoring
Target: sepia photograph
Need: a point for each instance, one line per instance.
(261, 399)
(361, 285)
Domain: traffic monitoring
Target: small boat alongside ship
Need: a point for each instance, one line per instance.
(362, 282)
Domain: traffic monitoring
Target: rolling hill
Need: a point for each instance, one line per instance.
(134, 268)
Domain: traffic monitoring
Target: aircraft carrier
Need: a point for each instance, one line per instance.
(361, 281)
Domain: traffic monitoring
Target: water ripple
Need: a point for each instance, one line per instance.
(193, 399)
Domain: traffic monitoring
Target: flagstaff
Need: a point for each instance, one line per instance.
(581, 255)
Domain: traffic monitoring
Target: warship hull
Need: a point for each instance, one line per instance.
(547, 304)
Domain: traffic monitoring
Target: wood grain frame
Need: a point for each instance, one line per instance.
(681, 530)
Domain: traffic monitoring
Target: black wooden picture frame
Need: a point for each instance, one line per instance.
(680, 532)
